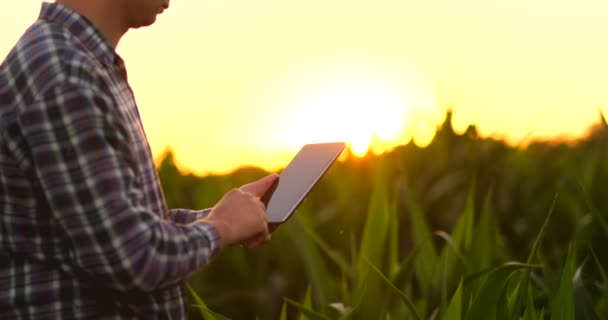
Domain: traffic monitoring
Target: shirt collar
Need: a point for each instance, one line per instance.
(82, 29)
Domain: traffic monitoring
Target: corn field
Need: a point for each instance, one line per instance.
(466, 228)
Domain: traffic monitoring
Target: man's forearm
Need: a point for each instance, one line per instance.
(186, 216)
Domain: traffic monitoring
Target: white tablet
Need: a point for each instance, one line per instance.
(298, 178)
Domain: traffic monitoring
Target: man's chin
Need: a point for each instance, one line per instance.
(144, 23)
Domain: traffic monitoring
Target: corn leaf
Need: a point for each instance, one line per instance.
(306, 312)
(396, 290)
(206, 313)
(562, 306)
(486, 300)
(454, 309)
(427, 257)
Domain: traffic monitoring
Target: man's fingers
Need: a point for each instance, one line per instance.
(258, 188)
(256, 241)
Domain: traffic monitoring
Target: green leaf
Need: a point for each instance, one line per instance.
(306, 304)
(351, 312)
(541, 233)
(463, 232)
(283, 312)
(487, 298)
(339, 308)
(509, 266)
(599, 266)
(345, 290)
(368, 290)
(517, 298)
(396, 290)
(306, 312)
(206, 313)
(530, 313)
(460, 243)
(596, 213)
(486, 247)
(601, 306)
(307, 301)
(584, 304)
(376, 229)
(393, 239)
(315, 268)
(421, 235)
(444, 282)
(452, 245)
(454, 309)
(562, 306)
(333, 256)
(406, 267)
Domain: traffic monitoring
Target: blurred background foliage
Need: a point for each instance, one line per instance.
(426, 223)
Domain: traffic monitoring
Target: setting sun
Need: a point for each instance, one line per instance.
(368, 106)
(352, 111)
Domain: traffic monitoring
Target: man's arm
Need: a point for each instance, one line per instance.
(185, 216)
(81, 155)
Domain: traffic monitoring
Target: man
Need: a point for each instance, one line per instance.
(84, 228)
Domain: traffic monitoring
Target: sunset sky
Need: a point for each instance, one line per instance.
(226, 83)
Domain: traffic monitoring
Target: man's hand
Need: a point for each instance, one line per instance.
(240, 217)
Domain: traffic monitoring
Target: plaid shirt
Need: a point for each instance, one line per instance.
(84, 228)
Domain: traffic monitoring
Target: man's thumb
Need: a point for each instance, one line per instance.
(258, 188)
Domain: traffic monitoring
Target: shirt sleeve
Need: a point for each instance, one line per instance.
(81, 155)
(185, 216)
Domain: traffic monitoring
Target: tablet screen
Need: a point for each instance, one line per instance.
(298, 178)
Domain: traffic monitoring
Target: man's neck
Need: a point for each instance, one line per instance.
(105, 15)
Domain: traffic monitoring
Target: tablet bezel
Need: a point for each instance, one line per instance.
(306, 153)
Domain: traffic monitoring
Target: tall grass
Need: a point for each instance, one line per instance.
(467, 228)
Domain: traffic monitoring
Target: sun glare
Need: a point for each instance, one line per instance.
(355, 111)
(362, 101)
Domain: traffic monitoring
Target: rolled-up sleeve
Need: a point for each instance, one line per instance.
(81, 155)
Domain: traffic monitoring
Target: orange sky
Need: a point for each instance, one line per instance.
(246, 82)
